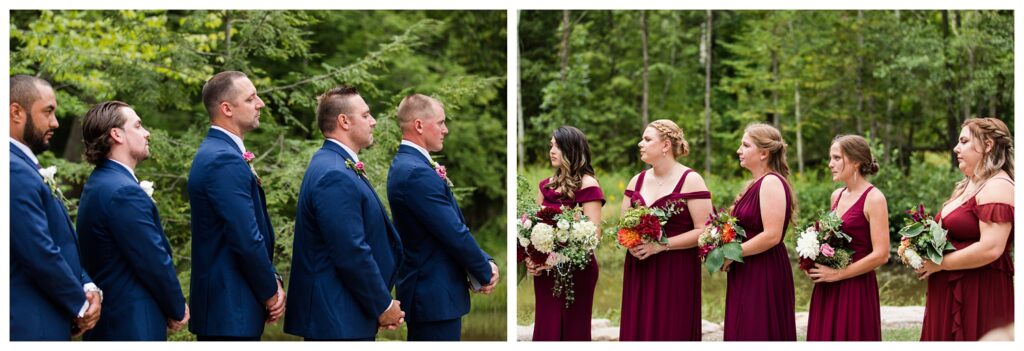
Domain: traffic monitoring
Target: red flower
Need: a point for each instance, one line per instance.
(547, 215)
(535, 255)
(649, 226)
(703, 251)
(728, 233)
(806, 264)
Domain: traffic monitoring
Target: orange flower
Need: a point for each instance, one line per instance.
(728, 233)
(628, 237)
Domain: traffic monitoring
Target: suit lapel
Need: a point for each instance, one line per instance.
(392, 233)
(418, 157)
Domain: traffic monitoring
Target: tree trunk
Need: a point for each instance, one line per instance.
(564, 52)
(860, 71)
(775, 90)
(74, 148)
(707, 96)
(799, 129)
(952, 121)
(643, 44)
(520, 125)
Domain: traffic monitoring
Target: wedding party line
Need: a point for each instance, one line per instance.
(110, 275)
(671, 232)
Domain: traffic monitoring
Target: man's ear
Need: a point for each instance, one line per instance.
(225, 108)
(17, 113)
(116, 135)
(343, 121)
(417, 125)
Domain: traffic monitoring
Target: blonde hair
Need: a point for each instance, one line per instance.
(1000, 158)
(668, 130)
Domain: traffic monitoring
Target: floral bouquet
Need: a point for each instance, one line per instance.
(641, 225)
(561, 237)
(922, 238)
(720, 240)
(823, 243)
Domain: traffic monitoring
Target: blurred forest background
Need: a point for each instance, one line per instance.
(157, 61)
(904, 79)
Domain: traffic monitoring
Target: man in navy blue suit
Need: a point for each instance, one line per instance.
(346, 254)
(52, 297)
(123, 243)
(235, 289)
(440, 252)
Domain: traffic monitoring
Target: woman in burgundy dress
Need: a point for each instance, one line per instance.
(759, 302)
(971, 292)
(661, 283)
(844, 304)
(572, 185)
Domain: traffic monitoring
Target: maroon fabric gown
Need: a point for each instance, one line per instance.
(553, 321)
(963, 305)
(848, 310)
(760, 304)
(661, 294)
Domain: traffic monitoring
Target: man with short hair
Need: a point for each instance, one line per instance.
(123, 242)
(440, 251)
(235, 289)
(347, 252)
(52, 297)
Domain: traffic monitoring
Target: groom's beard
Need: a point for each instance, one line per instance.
(35, 141)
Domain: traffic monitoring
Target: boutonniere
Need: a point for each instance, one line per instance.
(147, 186)
(357, 167)
(249, 156)
(49, 175)
(442, 172)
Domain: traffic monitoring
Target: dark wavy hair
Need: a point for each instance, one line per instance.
(575, 160)
(96, 128)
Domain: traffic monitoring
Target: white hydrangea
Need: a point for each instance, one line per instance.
(563, 224)
(807, 244)
(582, 230)
(912, 258)
(543, 237)
(715, 234)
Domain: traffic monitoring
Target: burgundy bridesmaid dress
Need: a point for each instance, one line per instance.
(848, 310)
(760, 304)
(554, 321)
(963, 305)
(661, 294)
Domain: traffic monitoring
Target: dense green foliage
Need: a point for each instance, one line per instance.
(157, 61)
(907, 78)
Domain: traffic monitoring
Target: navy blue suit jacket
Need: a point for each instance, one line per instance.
(125, 250)
(232, 243)
(439, 249)
(346, 254)
(46, 273)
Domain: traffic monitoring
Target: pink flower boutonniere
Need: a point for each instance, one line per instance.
(442, 172)
(248, 156)
(358, 167)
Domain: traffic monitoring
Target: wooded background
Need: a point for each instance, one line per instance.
(157, 61)
(906, 78)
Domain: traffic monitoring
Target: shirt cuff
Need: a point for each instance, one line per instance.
(85, 307)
